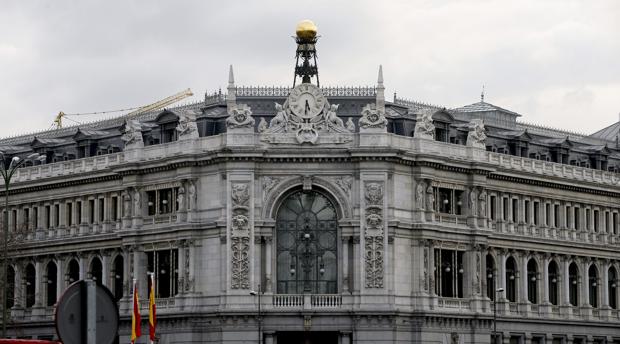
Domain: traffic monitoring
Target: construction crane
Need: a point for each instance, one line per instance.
(136, 111)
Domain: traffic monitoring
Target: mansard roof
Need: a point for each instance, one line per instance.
(484, 107)
(49, 142)
(516, 134)
(83, 134)
(610, 133)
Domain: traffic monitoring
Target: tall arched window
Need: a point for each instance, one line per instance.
(573, 287)
(96, 270)
(117, 274)
(554, 283)
(51, 283)
(73, 272)
(10, 284)
(532, 281)
(307, 233)
(491, 284)
(593, 285)
(31, 280)
(612, 284)
(511, 279)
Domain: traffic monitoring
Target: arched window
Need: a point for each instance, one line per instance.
(612, 283)
(491, 284)
(31, 280)
(73, 272)
(96, 270)
(118, 274)
(10, 284)
(532, 281)
(51, 283)
(449, 273)
(307, 233)
(573, 288)
(553, 281)
(511, 279)
(593, 285)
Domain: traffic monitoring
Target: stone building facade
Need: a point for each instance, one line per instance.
(354, 219)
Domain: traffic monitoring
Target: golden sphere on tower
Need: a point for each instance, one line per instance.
(306, 30)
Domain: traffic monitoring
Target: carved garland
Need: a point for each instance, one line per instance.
(240, 236)
(374, 235)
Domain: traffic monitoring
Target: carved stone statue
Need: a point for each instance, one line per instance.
(187, 128)
(126, 204)
(262, 125)
(476, 136)
(350, 125)
(133, 134)
(181, 198)
(424, 127)
(331, 118)
(482, 208)
(240, 116)
(137, 203)
(472, 202)
(192, 195)
(419, 195)
(280, 118)
(430, 198)
(372, 118)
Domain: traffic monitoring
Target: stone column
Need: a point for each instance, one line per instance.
(83, 262)
(181, 263)
(139, 270)
(585, 283)
(60, 276)
(565, 290)
(84, 218)
(545, 279)
(345, 264)
(268, 263)
(105, 269)
(501, 273)
(39, 283)
(605, 285)
(19, 290)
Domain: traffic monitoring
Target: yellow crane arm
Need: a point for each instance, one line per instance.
(162, 103)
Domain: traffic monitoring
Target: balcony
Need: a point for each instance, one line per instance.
(306, 301)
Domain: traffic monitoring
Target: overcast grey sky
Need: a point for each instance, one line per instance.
(555, 62)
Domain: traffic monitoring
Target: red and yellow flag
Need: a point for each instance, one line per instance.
(152, 317)
(136, 331)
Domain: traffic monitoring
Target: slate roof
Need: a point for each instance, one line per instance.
(609, 134)
(484, 107)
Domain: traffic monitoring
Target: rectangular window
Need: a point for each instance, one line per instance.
(164, 264)
(576, 215)
(78, 207)
(449, 271)
(47, 215)
(69, 213)
(567, 217)
(152, 202)
(556, 215)
(607, 222)
(587, 220)
(115, 208)
(493, 208)
(505, 209)
(26, 218)
(91, 211)
(537, 213)
(515, 210)
(547, 214)
(36, 217)
(597, 220)
(14, 217)
(527, 212)
(449, 201)
(615, 223)
(56, 215)
(101, 209)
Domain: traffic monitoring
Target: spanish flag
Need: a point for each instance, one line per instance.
(152, 317)
(135, 315)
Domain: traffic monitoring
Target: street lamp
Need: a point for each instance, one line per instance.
(497, 291)
(258, 293)
(7, 174)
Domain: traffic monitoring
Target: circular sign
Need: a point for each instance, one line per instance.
(71, 313)
(306, 101)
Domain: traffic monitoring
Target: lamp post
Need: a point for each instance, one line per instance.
(497, 291)
(258, 293)
(7, 174)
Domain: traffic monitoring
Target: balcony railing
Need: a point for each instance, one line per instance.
(314, 301)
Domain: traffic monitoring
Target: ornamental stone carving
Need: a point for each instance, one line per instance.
(430, 198)
(473, 201)
(240, 233)
(240, 116)
(192, 195)
(344, 183)
(482, 206)
(374, 235)
(132, 135)
(372, 118)
(424, 127)
(419, 195)
(306, 114)
(268, 184)
(187, 127)
(262, 125)
(476, 137)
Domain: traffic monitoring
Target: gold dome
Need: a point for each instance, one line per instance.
(306, 30)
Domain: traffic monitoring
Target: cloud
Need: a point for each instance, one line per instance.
(542, 59)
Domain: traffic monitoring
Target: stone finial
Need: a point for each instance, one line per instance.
(231, 98)
(380, 91)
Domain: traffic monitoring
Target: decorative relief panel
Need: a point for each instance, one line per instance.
(374, 234)
(240, 236)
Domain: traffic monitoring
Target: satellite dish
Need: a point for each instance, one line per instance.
(82, 305)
